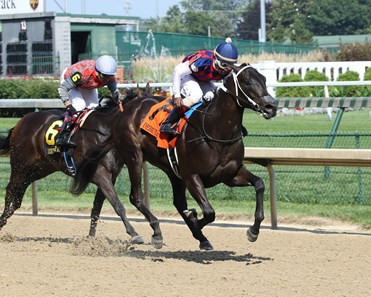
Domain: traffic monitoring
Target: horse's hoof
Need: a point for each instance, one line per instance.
(137, 240)
(251, 236)
(157, 243)
(206, 245)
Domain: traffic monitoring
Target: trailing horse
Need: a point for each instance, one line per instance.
(31, 143)
(209, 150)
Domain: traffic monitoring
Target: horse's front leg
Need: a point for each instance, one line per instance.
(246, 178)
(196, 188)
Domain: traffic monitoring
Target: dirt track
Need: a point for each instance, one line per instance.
(44, 256)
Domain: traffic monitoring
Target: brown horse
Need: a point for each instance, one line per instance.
(27, 144)
(210, 150)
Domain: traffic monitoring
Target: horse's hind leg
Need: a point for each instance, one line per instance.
(137, 199)
(13, 199)
(106, 186)
(246, 178)
(95, 212)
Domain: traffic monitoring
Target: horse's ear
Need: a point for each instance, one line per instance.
(148, 90)
(139, 93)
(236, 67)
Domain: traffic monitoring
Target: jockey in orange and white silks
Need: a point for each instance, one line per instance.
(193, 79)
(80, 81)
(78, 89)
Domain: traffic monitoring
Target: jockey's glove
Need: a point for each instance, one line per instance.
(209, 96)
(117, 96)
(71, 110)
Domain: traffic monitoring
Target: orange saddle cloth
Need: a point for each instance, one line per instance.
(153, 120)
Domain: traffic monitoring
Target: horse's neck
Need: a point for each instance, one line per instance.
(226, 114)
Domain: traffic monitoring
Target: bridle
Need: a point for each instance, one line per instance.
(246, 99)
(239, 99)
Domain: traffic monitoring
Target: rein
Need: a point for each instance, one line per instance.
(246, 100)
(238, 98)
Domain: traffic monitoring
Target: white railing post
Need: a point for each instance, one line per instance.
(268, 69)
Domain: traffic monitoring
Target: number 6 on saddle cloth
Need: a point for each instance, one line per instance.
(52, 134)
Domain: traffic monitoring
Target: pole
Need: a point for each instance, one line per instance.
(34, 199)
(262, 21)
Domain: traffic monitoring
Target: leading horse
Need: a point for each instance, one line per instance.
(210, 150)
(30, 161)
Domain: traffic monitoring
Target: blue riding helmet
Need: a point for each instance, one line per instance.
(106, 65)
(226, 52)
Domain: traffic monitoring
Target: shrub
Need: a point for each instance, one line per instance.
(354, 52)
(367, 89)
(292, 91)
(28, 88)
(348, 91)
(315, 75)
(13, 88)
(42, 88)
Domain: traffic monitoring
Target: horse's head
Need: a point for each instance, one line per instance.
(248, 86)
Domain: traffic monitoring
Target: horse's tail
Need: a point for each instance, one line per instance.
(5, 143)
(87, 167)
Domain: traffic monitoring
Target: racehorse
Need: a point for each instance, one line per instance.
(27, 144)
(210, 150)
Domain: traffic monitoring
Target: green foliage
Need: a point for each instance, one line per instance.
(28, 88)
(315, 75)
(249, 24)
(348, 91)
(197, 16)
(367, 89)
(13, 88)
(292, 91)
(287, 22)
(338, 17)
(354, 52)
(42, 88)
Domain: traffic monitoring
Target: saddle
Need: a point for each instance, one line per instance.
(152, 123)
(51, 136)
(157, 115)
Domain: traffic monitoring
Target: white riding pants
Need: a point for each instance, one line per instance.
(82, 98)
(193, 90)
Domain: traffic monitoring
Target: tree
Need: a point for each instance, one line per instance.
(339, 17)
(197, 16)
(249, 25)
(288, 22)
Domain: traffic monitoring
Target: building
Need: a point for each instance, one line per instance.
(39, 43)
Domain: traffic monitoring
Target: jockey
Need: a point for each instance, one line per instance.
(193, 79)
(78, 89)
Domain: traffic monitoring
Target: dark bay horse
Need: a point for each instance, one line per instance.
(29, 160)
(210, 150)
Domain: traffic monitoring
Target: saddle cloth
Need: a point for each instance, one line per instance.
(55, 127)
(156, 116)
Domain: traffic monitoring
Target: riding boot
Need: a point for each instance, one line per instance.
(64, 136)
(168, 126)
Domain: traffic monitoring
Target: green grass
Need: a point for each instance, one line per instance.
(353, 121)
(7, 123)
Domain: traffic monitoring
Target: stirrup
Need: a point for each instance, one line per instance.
(66, 143)
(69, 161)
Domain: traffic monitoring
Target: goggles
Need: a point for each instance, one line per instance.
(102, 75)
(223, 65)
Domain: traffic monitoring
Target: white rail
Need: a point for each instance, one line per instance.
(302, 156)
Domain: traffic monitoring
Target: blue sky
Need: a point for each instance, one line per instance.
(140, 8)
